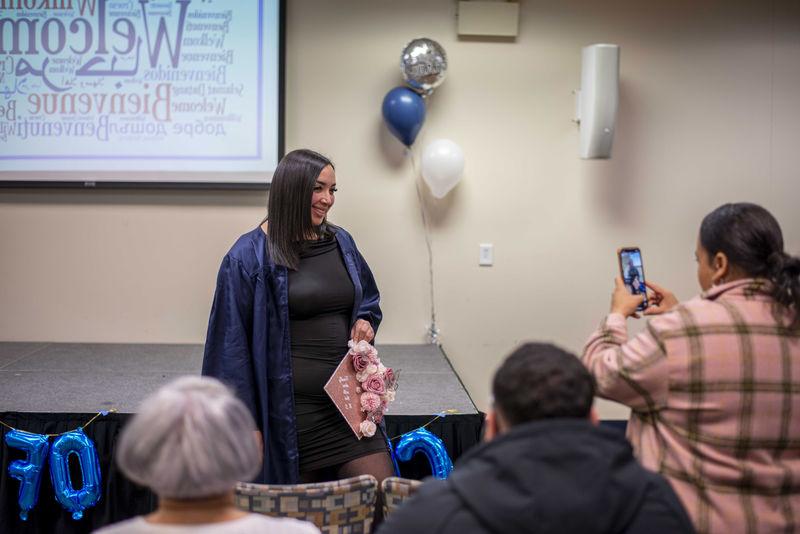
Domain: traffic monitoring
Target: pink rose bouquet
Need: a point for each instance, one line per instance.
(377, 385)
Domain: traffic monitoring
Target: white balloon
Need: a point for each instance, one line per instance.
(442, 166)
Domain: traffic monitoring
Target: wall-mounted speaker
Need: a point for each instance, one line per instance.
(597, 100)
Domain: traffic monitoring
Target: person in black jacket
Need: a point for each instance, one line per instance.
(546, 465)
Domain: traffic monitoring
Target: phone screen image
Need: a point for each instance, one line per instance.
(632, 272)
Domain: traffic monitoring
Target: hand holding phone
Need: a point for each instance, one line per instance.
(623, 302)
(661, 300)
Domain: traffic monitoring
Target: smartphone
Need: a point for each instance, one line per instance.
(631, 269)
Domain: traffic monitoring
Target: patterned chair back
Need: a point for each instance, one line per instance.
(339, 507)
(396, 491)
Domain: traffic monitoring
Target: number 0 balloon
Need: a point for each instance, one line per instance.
(75, 500)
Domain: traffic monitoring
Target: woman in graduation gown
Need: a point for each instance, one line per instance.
(289, 296)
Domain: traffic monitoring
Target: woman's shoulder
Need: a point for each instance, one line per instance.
(341, 235)
(254, 523)
(244, 525)
(337, 230)
(247, 240)
(250, 248)
(129, 526)
(285, 525)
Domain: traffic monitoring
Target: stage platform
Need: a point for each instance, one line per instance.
(89, 377)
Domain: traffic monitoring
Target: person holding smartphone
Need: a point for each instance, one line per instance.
(714, 382)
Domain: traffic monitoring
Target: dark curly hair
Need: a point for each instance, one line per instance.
(542, 381)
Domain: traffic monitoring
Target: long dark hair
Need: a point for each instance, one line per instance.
(752, 240)
(289, 205)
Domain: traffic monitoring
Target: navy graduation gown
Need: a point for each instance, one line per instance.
(248, 347)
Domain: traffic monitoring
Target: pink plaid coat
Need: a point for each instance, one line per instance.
(714, 388)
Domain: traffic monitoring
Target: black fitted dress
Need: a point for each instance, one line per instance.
(321, 297)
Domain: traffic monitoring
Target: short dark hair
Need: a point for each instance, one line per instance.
(752, 240)
(542, 381)
(289, 204)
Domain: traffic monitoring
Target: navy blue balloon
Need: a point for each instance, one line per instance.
(75, 501)
(28, 471)
(420, 440)
(404, 113)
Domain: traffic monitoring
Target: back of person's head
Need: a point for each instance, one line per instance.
(289, 203)
(192, 438)
(542, 381)
(752, 240)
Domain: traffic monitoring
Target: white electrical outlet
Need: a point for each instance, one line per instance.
(486, 254)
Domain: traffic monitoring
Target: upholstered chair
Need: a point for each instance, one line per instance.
(339, 507)
(395, 491)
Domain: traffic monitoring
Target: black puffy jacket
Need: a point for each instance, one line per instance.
(551, 476)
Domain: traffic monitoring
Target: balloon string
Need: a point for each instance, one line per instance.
(433, 331)
(439, 415)
(89, 422)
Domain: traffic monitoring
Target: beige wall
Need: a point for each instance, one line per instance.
(709, 113)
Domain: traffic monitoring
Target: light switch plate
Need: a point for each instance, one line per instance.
(486, 254)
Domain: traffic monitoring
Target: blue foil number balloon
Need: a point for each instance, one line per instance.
(75, 501)
(404, 113)
(28, 471)
(430, 445)
(392, 455)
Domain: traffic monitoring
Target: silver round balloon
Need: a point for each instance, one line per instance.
(424, 65)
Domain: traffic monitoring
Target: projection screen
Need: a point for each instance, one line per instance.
(140, 92)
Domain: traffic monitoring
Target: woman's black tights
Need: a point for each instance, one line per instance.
(378, 465)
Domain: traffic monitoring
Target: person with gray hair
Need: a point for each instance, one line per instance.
(191, 441)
